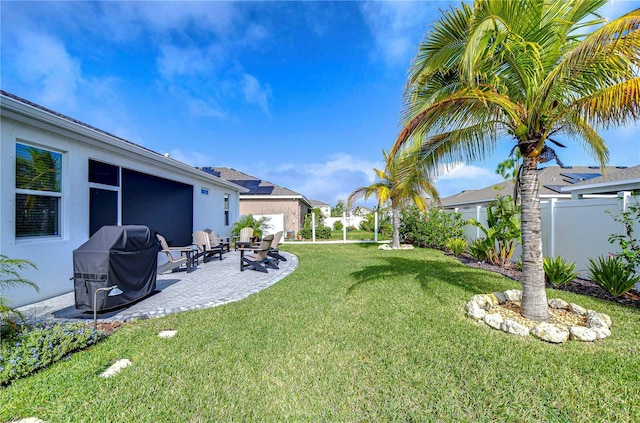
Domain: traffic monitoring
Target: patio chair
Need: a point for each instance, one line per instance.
(260, 259)
(245, 239)
(205, 250)
(175, 263)
(274, 251)
(215, 241)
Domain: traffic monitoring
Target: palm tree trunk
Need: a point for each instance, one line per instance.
(395, 219)
(534, 297)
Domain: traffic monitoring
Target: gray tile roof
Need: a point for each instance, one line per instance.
(255, 185)
(616, 176)
(318, 203)
(552, 180)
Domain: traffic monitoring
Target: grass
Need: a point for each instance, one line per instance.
(358, 235)
(354, 334)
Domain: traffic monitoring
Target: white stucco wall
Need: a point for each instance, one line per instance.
(53, 256)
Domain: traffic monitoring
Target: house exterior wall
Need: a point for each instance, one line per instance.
(53, 255)
(293, 210)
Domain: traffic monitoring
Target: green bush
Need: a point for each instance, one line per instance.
(558, 271)
(612, 275)
(322, 232)
(457, 246)
(502, 230)
(431, 229)
(482, 249)
(337, 225)
(9, 277)
(39, 346)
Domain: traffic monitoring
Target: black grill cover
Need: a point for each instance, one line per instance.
(126, 256)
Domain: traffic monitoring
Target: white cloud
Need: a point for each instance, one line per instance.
(465, 171)
(190, 157)
(464, 177)
(397, 27)
(44, 62)
(256, 93)
(329, 180)
(175, 61)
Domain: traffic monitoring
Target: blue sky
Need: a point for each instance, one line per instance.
(305, 95)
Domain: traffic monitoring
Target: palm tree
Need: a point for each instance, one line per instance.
(525, 71)
(415, 183)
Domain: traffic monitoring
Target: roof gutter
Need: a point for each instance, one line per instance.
(43, 119)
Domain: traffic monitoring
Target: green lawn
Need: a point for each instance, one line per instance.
(358, 235)
(354, 334)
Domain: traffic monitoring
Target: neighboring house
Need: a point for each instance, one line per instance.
(61, 180)
(266, 198)
(608, 184)
(555, 182)
(325, 208)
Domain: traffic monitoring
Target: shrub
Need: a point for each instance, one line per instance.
(337, 225)
(612, 275)
(305, 233)
(558, 271)
(629, 245)
(322, 232)
(481, 249)
(457, 246)
(502, 230)
(431, 229)
(248, 221)
(39, 346)
(9, 277)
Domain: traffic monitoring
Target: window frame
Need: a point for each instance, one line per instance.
(59, 195)
(227, 202)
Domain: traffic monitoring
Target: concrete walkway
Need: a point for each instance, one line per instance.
(211, 284)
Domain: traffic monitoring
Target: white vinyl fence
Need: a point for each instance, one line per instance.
(575, 229)
(276, 223)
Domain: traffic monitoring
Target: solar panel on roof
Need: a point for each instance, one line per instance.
(264, 190)
(574, 178)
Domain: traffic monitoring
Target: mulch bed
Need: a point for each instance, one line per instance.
(577, 286)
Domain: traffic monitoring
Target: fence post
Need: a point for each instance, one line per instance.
(478, 208)
(375, 231)
(344, 227)
(624, 200)
(552, 227)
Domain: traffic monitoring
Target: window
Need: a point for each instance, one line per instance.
(103, 173)
(38, 191)
(226, 210)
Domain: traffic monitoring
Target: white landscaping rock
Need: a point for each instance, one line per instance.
(581, 333)
(551, 333)
(385, 247)
(406, 246)
(602, 316)
(475, 311)
(167, 334)
(601, 333)
(483, 300)
(501, 297)
(596, 320)
(514, 328)
(116, 367)
(513, 295)
(494, 320)
(581, 311)
(559, 304)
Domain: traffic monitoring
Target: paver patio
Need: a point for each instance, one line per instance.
(211, 284)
